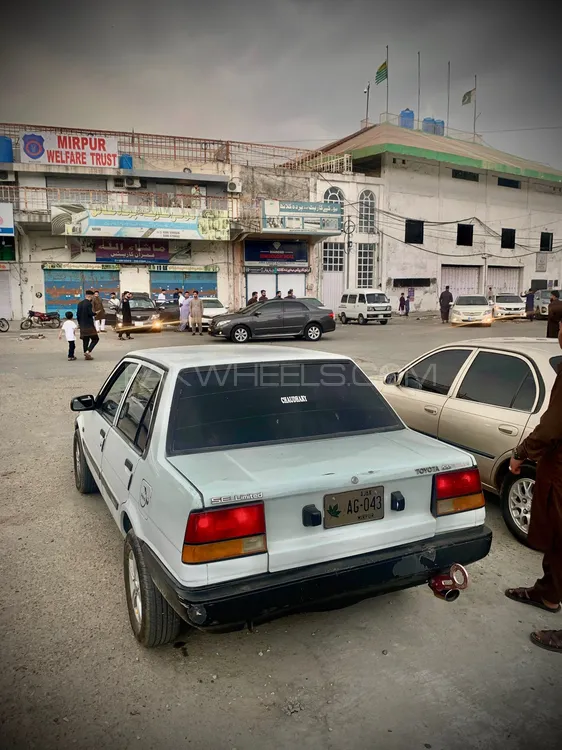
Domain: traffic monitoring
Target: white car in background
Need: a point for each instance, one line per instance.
(509, 306)
(211, 307)
(471, 308)
(258, 480)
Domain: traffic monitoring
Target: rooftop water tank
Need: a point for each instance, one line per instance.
(439, 127)
(428, 125)
(407, 119)
(125, 161)
(6, 150)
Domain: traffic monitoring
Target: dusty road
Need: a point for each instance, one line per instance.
(400, 671)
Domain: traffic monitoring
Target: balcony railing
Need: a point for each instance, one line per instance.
(40, 200)
(148, 147)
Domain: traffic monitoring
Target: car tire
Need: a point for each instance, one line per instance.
(383, 322)
(343, 319)
(83, 477)
(153, 621)
(240, 335)
(361, 320)
(313, 332)
(516, 500)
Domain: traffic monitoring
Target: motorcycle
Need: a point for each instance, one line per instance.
(4, 325)
(40, 319)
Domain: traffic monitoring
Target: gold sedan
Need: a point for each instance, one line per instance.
(484, 396)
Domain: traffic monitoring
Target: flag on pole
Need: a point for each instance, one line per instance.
(382, 73)
(469, 97)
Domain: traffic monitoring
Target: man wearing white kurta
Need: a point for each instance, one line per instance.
(185, 308)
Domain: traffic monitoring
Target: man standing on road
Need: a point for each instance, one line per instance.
(554, 315)
(544, 445)
(196, 313)
(530, 305)
(185, 312)
(99, 312)
(162, 296)
(445, 302)
(87, 324)
(127, 317)
(290, 294)
(253, 299)
(263, 296)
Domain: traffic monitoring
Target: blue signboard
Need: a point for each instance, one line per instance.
(280, 252)
(301, 217)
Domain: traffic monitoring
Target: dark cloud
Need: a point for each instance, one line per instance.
(285, 71)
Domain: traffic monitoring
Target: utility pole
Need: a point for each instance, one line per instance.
(419, 89)
(348, 229)
(475, 86)
(367, 92)
(448, 97)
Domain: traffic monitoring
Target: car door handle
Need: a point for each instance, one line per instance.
(102, 433)
(128, 464)
(430, 409)
(508, 429)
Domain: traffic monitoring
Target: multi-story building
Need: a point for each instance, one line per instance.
(428, 211)
(127, 211)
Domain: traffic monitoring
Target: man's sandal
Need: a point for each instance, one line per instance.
(529, 596)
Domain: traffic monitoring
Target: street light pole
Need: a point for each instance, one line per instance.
(367, 92)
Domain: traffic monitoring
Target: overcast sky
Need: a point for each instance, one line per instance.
(291, 71)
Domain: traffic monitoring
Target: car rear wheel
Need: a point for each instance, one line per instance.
(313, 332)
(516, 500)
(240, 335)
(83, 477)
(383, 322)
(361, 320)
(153, 621)
(343, 319)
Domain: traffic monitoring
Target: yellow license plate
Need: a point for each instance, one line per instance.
(355, 506)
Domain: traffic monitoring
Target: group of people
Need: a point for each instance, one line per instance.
(191, 310)
(404, 305)
(90, 321)
(264, 298)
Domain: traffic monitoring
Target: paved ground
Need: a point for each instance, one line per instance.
(400, 671)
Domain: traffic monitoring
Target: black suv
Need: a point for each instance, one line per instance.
(275, 319)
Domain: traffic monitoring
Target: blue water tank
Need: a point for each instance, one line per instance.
(125, 161)
(428, 125)
(407, 119)
(6, 150)
(439, 127)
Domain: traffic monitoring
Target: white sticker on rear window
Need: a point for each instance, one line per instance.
(293, 399)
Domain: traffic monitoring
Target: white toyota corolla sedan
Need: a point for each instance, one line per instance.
(257, 480)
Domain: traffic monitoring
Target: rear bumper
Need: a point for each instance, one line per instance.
(360, 577)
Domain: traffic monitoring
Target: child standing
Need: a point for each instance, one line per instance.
(69, 330)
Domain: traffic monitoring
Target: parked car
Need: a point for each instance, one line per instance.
(235, 508)
(472, 308)
(170, 311)
(509, 306)
(364, 305)
(275, 319)
(144, 313)
(542, 301)
(485, 397)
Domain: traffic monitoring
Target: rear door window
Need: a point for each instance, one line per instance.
(436, 373)
(499, 380)
(242, 405)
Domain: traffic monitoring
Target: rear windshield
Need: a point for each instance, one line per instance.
(375, 299)
(556, 362)
(472, 301)
(508, 298)
(240, 405)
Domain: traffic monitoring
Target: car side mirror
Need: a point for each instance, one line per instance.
(391, 379)
(83, 403)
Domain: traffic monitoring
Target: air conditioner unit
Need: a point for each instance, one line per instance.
(7, 176)
(132, 183)
(234, 186)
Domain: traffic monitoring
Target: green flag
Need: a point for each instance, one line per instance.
(382, 73)
(468, 98)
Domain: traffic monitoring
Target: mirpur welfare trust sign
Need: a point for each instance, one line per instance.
(40, 147)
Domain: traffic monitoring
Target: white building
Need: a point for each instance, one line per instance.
(446, 212)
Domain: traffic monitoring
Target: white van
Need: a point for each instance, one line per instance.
(364, 305)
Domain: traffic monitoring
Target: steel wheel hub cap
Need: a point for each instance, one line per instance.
(241, 335)
(77, 460)
(520, 500)
(134, 588)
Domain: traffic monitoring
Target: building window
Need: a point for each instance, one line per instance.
(460, 174)
(505, 182)
(414, 232)
(367, 211)
(407, 283)
(334, 195)
(547, 239)
(365, 265)
(508, 239)
(333, 256)
(465, 234)
(7, 248)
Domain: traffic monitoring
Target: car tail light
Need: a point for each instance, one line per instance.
(224, 533)
(331, 315)
(457, 491)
